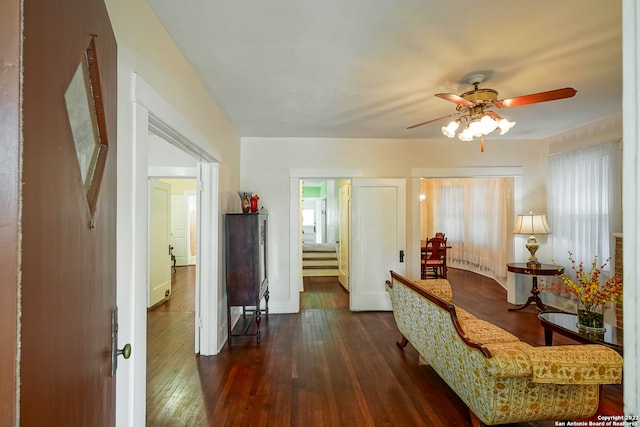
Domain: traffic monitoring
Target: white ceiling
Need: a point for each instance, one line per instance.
(370, 68)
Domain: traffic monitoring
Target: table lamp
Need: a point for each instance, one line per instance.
(532, 223)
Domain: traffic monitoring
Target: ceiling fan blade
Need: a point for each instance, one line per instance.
(456, 99)
(431, 121)
(551, 95)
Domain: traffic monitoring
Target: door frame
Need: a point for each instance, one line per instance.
(146, 110)
(295, 226)
(516, 172)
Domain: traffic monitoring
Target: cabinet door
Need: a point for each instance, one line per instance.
(242, 238)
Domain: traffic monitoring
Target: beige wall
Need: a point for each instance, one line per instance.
(180, 185)
(150, 51)
(266, 164)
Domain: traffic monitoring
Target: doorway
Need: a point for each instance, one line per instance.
(377, 235)
(154, 116)
(321, 222)
(176, 171)
(173, 225)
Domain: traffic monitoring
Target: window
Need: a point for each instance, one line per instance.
(584, 202)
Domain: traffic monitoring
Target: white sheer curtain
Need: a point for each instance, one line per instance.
(584, 202)
(475, 214)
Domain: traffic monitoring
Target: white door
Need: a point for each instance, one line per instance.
(343, 235)
(159, 241)
(378, 239)
(179, 229)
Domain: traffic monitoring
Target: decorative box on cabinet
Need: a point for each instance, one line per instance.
(246, 265)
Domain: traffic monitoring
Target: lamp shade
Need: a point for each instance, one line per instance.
(532, 223)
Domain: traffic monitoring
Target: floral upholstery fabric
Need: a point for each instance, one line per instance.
(498, 389)
(439, 287)
(509, 360)
(484, 332)
(576, 364)
(463, 315)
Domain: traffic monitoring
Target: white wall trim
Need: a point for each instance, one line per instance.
(207, 289)
(165, 120)
(295, 243)
(630, 201)
(142, 103)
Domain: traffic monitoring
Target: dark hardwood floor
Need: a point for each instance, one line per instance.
(325, 366)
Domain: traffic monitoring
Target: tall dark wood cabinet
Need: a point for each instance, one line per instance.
(246, 263)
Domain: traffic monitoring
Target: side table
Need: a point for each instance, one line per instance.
(534, 270)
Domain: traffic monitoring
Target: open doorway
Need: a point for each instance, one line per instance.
(474, 214)
(154, 116)
(173, 225)
(173, 207)
(173, 231)
(324, 231)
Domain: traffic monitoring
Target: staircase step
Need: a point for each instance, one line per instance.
(319, 256)
(315, 272)
(320, 263)
(320, 267)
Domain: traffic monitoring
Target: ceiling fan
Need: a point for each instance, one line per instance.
(475, 114)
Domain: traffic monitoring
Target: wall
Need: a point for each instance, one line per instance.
(267, 162)
(146, 50)
(180, 185)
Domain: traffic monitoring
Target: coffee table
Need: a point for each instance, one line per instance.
(566, 324)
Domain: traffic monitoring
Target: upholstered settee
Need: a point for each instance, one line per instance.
(500, 378)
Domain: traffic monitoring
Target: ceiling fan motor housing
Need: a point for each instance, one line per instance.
(486, 97)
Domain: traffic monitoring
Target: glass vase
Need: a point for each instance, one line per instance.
(591, 318)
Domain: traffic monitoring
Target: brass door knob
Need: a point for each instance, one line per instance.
(125, 351)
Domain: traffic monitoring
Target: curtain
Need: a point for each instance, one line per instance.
(475, 214)
(584, 202)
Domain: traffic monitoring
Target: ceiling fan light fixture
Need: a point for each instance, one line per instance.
(450, 129)
(465, 135)
(475, 128)
(505, 125)
(488, 124)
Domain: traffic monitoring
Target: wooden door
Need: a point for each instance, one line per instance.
(68, 287)
(378, 239)
(344, 218)
(159, 241)
(10, 147)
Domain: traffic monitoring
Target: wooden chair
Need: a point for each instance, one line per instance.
(434, 262)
